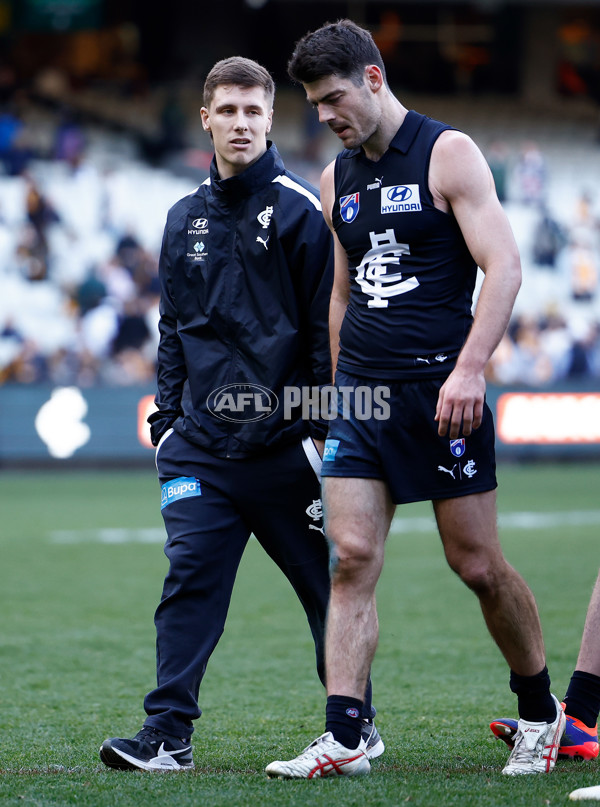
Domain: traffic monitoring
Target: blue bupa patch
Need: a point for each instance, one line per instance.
(331, 447)
(182, 488)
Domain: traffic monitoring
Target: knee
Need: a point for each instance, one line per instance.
(482, 574)
(352, 557)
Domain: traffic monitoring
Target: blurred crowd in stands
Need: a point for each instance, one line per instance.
(80, 231)
(555, 330)
(91, 322)
(78, 259)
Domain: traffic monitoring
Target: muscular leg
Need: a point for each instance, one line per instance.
(281, 502)
(582, 698)
(589, 652)
(358, 513)
(469, 534)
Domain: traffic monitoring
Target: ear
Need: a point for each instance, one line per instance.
(269, 122)
(205, 119)
(373, 77)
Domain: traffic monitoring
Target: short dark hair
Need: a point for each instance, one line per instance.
(240, 71)
(339, 48)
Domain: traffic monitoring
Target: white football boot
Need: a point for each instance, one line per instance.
(536, 745)
(323, 757)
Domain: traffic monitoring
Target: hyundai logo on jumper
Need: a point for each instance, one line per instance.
(400, 199)
(181, 488)
(242, 403)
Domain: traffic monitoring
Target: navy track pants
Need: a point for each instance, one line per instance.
(276, 496)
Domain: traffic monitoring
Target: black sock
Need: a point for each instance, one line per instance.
(535, 702)
(343, 719)
(368, 710)
(583, 698)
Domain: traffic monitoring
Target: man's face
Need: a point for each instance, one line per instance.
(350, 111)
(239, 119)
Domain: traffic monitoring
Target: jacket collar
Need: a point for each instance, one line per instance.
(256, 176)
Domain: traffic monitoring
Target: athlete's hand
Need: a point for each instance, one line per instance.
(320, 446)
(460, 402)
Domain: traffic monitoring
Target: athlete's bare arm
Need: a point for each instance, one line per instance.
(462, 184)
(340, 293)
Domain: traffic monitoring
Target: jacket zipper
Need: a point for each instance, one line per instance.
(233, 344)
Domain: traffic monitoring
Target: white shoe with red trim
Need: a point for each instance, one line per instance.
(323, 757)
(536, 745)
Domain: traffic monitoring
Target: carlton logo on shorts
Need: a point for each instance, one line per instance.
(349, 207)
(457, 447)
(182, 488)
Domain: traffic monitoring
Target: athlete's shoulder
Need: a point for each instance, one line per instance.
(426, 121)
(454, 142)
(328, 178)
(327, 186)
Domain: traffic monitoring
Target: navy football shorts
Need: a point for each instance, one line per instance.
(404, 449)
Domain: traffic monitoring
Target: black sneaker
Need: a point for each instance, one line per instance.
(372, 738)
(149, 750)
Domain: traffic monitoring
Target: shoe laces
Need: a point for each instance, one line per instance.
(523, 752)
(324, 740)
(146, 732)
(150, 733)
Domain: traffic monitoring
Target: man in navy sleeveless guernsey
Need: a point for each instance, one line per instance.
(245, 272)
(413, 210)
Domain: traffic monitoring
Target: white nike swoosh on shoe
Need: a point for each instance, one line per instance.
(163, 753)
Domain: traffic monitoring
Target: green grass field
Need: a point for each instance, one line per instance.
(81, 573)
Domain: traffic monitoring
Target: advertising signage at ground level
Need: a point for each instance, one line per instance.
(69, 425)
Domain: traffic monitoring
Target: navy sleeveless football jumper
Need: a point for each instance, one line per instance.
(411, 274)
(411, 288)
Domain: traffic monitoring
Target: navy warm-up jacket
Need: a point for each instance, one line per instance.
(246, 270)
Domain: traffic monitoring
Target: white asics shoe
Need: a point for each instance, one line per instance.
(536, 745)
(323, 757)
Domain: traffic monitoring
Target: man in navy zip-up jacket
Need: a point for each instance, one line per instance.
(246, 277)
(246, 272)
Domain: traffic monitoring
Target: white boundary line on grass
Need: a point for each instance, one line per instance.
(510, 521)
(507, 521)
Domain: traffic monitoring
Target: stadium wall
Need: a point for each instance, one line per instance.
(69, 426)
